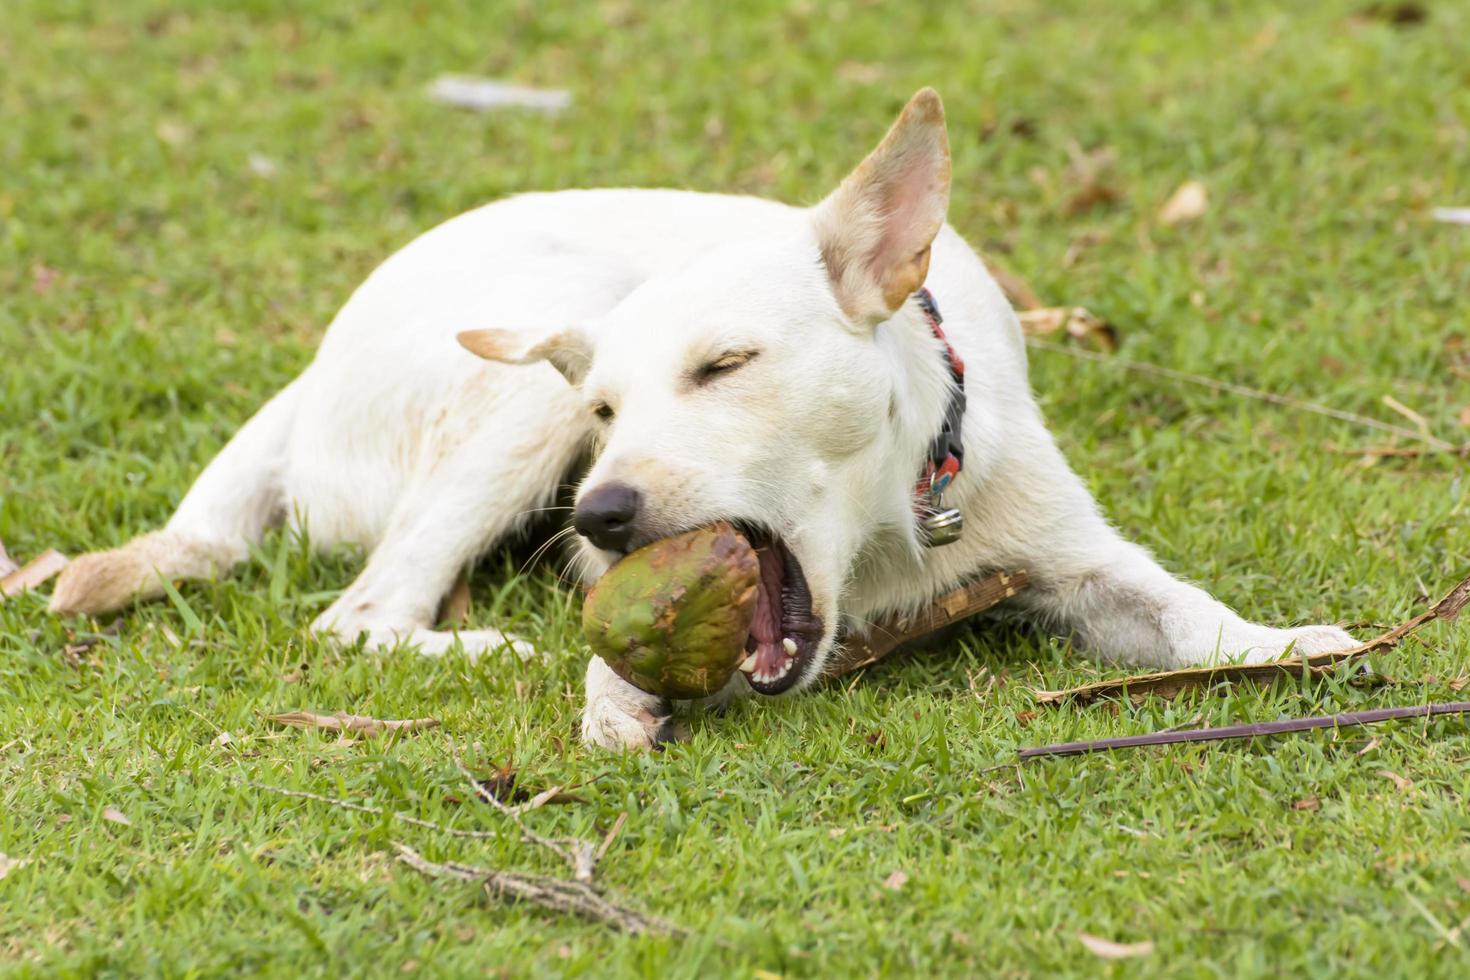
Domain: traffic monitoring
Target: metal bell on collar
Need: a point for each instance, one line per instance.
(941, 526)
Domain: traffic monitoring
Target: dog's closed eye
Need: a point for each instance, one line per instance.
(726, 363)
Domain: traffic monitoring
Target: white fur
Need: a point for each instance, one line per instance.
(398, 439)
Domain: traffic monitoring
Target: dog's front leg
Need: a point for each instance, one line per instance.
(470, 495)
(1110, 594)
(618, 715)
(1122, 606)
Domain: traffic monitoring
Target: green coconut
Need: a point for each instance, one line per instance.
(672, 617)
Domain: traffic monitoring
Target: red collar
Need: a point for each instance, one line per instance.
(940, 525)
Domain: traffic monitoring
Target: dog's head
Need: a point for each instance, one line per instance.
(752, 385)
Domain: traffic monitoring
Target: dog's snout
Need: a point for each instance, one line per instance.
(608, 516)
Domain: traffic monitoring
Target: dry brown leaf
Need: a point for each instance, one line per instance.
(896, 881)
(556, 794)
(9, 864)
(1464, 416)
(1108, 950)
(1089, 196)
(1079, 244)
(1017, 290)
(1373, 743)
(1306, 803)
(113, 815)
(33, 574)
(172, 132)
(1264, 40)
(343, 722)
(1088, 173)
(1077, 322)
(1189, 202)
(262, 166)
(1403, 785)
(1396, 13)
(1456, 353)
(8, 565)
(501, 784)
(861, 72)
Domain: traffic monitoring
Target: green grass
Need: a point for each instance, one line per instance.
(156, 290)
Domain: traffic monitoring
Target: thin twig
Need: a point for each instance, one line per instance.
(577, 896)
(557, 894)
(527, 834)
(612, 833)
(1396, 452)
(1142, 367)
(376, 811)
(1283, 727)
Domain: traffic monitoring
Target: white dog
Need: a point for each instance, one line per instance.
(712, 357)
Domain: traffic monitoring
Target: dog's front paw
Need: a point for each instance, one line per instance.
(609, 726)
(619, 716)
(1303, 641)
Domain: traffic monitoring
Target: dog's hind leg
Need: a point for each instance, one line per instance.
(226, 510)
(491, 468)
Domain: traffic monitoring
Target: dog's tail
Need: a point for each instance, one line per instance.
(235, 499)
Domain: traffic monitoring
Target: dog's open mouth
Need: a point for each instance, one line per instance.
(785, 634)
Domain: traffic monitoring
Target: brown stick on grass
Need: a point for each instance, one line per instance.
(887, 635)
(1169, 683)
(1284, 727)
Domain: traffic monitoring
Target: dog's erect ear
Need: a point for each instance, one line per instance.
(569, 350)
(876, 228)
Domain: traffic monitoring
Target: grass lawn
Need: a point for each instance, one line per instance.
(190, 190)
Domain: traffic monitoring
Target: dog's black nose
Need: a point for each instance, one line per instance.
(607, 515)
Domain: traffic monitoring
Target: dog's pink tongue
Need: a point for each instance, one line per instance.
(766, 628)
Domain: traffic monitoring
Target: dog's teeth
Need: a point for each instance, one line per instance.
(748, 664)
(789, 645)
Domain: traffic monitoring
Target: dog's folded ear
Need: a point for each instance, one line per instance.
(569, 349)
(875, 230)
